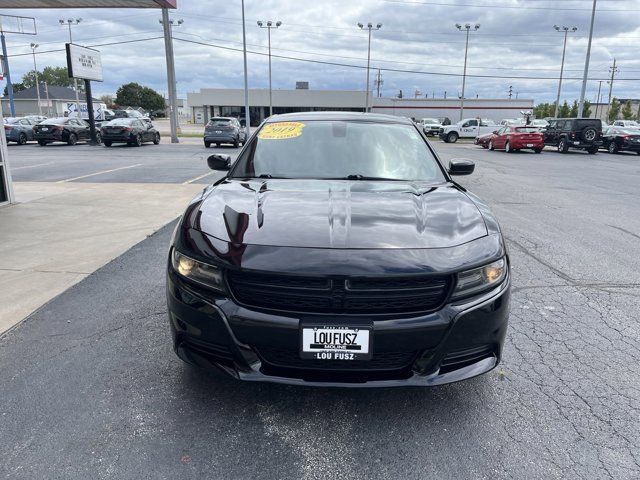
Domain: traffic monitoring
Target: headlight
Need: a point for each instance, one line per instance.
(478, 279)
(203, 273)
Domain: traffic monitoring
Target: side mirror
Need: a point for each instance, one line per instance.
(495, 132)
(461, 167)
(219, 162)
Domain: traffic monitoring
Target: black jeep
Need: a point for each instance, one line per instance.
(578, 133)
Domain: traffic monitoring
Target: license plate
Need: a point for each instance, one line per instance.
(218, 131)
(529, 145)
(45, 129)
(336, 343)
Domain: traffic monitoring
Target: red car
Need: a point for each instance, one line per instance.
(483, 140)
(512, 138)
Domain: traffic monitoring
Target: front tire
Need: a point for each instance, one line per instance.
(236, 143)
(156, 139)
(563, 146)
(73, 139)
(22, 139)
(507, 147)
(137, 141)
(207, 144)
(452, 137)
(613, 148)
(42, 143)
(107, 143)
(592, 150)
(491, 147)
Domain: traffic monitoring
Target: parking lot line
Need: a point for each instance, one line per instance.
(98, 173)
(31, 166)
(197, 178)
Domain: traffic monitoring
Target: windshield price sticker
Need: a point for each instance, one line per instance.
(336, 343)
(281, 130)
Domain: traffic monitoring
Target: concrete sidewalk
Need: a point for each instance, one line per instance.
(59, 233)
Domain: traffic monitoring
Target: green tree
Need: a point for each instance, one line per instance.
(16, 88)
(574, 109)
(564, 111)
(52, 76)
(586, 109)
(614, 111)
(627, 113)
(638, 114)
(135, 95)
(542, 110)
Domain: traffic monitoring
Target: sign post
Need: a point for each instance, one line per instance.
(85, 64)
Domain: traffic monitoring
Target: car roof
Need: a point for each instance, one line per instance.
(337, 116)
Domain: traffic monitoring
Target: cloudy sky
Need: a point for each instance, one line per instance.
(418, 37)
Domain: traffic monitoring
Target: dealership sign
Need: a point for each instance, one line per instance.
(84, 63)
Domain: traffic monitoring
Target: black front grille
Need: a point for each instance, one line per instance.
(290, 358)
(463, 358)
(353, 295)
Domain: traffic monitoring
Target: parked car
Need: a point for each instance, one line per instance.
(618, 139)
(132, 131)
(511, 121)
(62, 129)
(36, 118)
(309, 263)
(483, 140)
(468, 128)
(514, 138)
(221, 130)
(576, 133)
(540, 123)
(19, 129)
(127, 114)
(431, 126)
(626, 124)
(108, 114)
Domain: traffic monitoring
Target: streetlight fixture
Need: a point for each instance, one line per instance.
(370, 28)
(69, 22)
(35, 71)
(566, 31)
(167, 26)
(466, 27)
(269, 25)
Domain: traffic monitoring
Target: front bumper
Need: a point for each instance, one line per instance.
(460, 341)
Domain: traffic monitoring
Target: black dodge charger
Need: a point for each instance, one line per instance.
(339, 251)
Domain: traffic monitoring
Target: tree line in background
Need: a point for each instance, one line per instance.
(128, 95)
(617, 110)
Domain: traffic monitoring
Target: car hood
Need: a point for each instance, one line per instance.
(337, 214)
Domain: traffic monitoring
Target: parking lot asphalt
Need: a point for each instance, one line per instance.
(91, 389)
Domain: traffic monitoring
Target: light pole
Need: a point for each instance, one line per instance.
(247, 115)
(69, 22)
(467, 27)
(566, 31)
(586, 62)
(369, 27)
(167, 26)
(35, 71)
(269, 25)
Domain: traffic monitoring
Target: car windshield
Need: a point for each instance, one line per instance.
(121, 121)
(429, 120)
(54, 121)
(527, 129)
(219, 122)
(13, 120)
(627, 131)
(339, 150)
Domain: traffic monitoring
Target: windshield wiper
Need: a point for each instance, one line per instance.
(357, 176)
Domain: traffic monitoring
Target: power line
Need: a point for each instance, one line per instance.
(516, 7)
(386, 69)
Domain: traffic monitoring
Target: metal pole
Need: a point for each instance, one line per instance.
(171, 75)
(564, 51)
(75, 82)
(613, 72)
(586, 63)
(598, 98)
(366, 101)
(270, 94)
(247, 116)
(46, 92)
(464, 75)
(12, 106)
(92, 121)
(4, 159)
(35, 71)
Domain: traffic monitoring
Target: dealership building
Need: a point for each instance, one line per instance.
(213, 102)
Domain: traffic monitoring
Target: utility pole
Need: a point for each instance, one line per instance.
(370, 28)
(598, 99)
(247, 115)
(69, 22)
(167, 27)
(613, 69)
(586, 63)
(35, 71)
(564, 51)
(269, 25)
(379, 82)
(466, 27)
